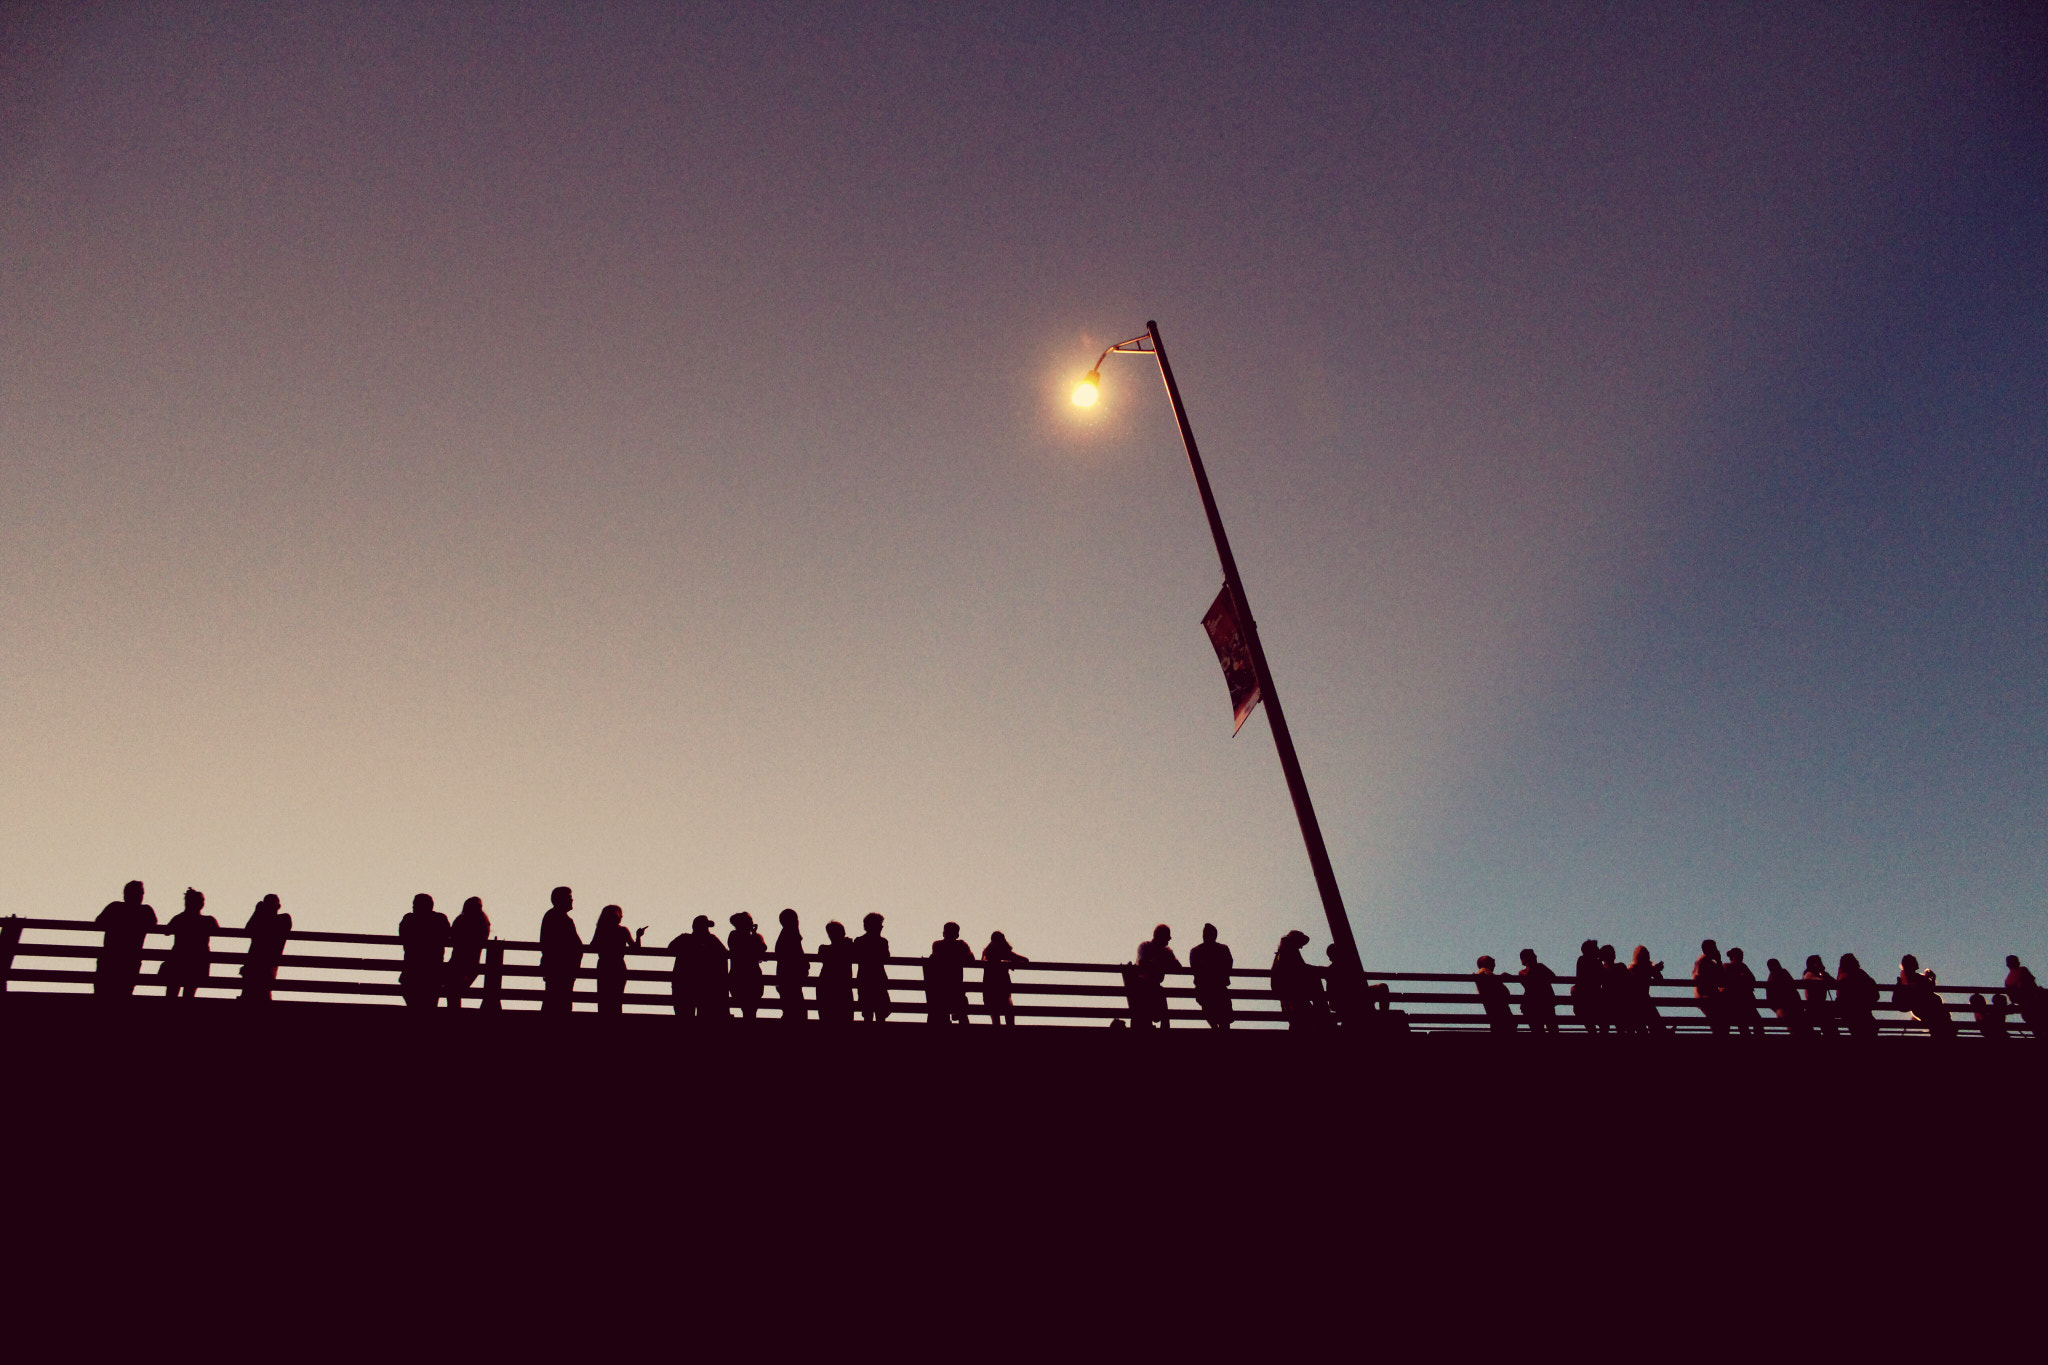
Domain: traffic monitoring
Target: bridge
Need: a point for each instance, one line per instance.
(57, 956)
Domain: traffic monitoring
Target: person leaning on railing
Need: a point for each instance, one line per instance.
(190, 961)
(466, 939)
(1856, 995)
(1781, 997)
(1211, 963)
(1818, 984)
(268, 928)
(423, 935)
(2025, 994)
(561, 953)
(123, 926)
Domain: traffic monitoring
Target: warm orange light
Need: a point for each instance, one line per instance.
(1088, 390)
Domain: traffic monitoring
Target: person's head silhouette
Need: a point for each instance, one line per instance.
(788, 919)
(1485, 963)
(563, 900)
(1528, 957)
(701, 925)
(1293, 938)
(951, 930)
(1814, 963)
(610, 915)
(1208, 933)
(743, 922)
(1850, 964)
(835, 931)
(270, 904)
(1710, 950)
(1640, 957)
(1735, 956)
(423, 902)
(1162, 935)
(1590, 948)
(2011, 959)
(195, 901)
(1607, 952)
(871, 922)
(997, 940)
(1999, 1001)
(1909, 963)
(1976, 1000)
(1773, 966)
(132, 893)
(474, 905)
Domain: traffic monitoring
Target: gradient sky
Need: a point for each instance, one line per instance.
(468, 449)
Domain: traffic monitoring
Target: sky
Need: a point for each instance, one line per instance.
(474, 449)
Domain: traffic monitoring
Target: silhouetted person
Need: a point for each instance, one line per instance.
(835, 975)
(945, 978)
(1738, 996)
(466, 940)
(1781, 997)
(123, 926)
(1586, 982)
(792, 968)
(996, 960)
(1915, 994)
(190, 961)
(1147, 989)
(1856, 995)
(1539, 995)
(1630, 998)
(2025, 994)
(1211, 962)
(561, 953)
(1707, 985)
(2001, 1013)
(1817, 984)
(1990, 1015)
(871, 955)
(699, 975)
(745, 948)
(611, 940)
(268, 928)
(1493, 997)
(423, 936)
(1296, 983)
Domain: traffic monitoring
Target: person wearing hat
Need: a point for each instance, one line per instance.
(699, 973)
(743, 976)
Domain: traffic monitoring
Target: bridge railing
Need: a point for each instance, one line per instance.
(59, 955)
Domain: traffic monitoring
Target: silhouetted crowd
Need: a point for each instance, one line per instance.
(1609, 996)
(712, 976)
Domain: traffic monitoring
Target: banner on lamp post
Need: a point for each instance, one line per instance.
(1235, 656)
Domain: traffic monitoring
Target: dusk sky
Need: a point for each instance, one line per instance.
(468, 449)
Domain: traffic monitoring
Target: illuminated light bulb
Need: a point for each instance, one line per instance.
(1087, 391)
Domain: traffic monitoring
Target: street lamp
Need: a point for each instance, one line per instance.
(1085, 395)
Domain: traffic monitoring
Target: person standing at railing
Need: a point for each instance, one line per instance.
(268, 928)
(1781, 998)
(996, 960)
(1539, 995)
(871, 953)
(1856, 995)
(1915, 994)
(1147, 991)
(1817, 984)
(123, 926)
(1631, 1005)
(561, 953)
(1298, 985)
(1493, 997)
(191, 959)
(945, 978)
(792, 969)
(611, 940)
(835, 976)
(423, 935)
(1211, 963)
(1738, 996)
(1586, 983)
(2025, 994)
(699, 975)
(747, 948)
(466, 940)
(1706, 986)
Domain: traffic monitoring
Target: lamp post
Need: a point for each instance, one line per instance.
(1297, 787)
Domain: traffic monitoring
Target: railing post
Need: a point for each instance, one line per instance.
(10, 939)
(494, 976)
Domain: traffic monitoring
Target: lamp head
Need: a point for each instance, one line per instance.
(1088, 390)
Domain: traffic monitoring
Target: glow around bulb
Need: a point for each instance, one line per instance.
(1088, 390)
